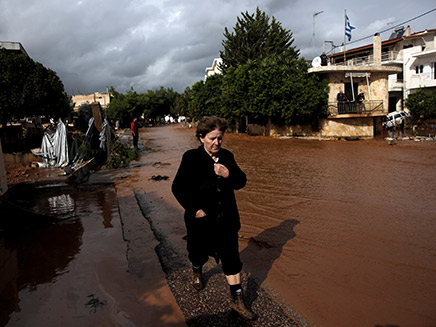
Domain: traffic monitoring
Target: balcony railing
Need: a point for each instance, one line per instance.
(386, 57)
(396, 85)
(364, 108)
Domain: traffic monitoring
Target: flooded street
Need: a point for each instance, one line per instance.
(358, 244)
(75, 272)
(46, 265)
(340, 233)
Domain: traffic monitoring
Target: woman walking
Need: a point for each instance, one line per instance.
(204, 186)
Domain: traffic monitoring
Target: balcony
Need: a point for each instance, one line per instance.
(396, 85)
(367, 108)
(387, 58)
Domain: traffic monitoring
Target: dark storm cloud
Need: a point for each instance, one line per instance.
(147, 44)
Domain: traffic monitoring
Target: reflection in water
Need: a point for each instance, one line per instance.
(34, 258)
(61, 204)
(39, 256)
(107, 207)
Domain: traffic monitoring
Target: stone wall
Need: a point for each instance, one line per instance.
(380, 89)
(362, 127)
(351, 127)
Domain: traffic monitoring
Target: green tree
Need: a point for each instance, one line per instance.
(206, 97)
(235, 93)
(181, 103)
(422, 104)
(255, 37)
(160, 102)
(153, 104)
(85, 108)
(263, 80)
(274, 89)
(124, 107)
(28, 88)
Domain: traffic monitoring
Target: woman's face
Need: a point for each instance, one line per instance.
(212, 141)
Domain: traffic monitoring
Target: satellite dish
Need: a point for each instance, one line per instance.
(316, 62)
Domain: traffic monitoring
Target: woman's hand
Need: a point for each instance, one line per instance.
(200, 214)
(221, 170)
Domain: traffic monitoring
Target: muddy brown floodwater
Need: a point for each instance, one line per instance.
(354, 227)
(340, 233)
(343, 232)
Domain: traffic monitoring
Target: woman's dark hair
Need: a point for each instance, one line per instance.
(210, 123)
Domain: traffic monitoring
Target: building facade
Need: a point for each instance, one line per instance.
(80, 99)
(414, 53)
(214, 69)
(351, 117)
(385, 72)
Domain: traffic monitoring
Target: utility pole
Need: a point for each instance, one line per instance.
(313, 38)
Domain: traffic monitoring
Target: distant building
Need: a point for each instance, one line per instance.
(414, 53)
(214, 69)
(386, 72)
(13, 47)
(81, 99)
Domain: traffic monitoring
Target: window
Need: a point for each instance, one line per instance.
(419, 69)
(433, 68)
(400, 76)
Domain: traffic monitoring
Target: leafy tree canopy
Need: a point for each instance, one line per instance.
(276, 87)
(255, 37)
(153, 104)
(422, 104)
(28, 89)
(181, 103)
(206, 97)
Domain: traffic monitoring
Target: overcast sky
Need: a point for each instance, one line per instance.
(145, 44)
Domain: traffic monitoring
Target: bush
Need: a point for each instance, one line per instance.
(422, 104)
(121, 155)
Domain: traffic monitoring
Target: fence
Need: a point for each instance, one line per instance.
(366, 107)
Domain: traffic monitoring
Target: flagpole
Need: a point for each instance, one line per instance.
(345, 36)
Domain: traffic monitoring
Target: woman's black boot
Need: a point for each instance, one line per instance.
(239, 307)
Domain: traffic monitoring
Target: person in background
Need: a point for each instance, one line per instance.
(135, 132)
(323, 59)
(360, 102)
(341, 99)
(204, 186)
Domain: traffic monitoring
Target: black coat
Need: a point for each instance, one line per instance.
(196, 186)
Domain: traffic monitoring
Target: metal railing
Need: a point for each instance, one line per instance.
(388, 56)
(366, 107)
(391, 56)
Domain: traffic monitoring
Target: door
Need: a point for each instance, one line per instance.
(351, 91)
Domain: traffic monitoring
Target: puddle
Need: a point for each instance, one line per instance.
(36, 259)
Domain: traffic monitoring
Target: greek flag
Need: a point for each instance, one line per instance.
(348, 27)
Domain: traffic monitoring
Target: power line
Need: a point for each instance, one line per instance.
(393, 27)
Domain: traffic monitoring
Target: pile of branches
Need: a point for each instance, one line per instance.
(121, 155)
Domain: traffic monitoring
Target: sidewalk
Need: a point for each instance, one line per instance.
(159, 307)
